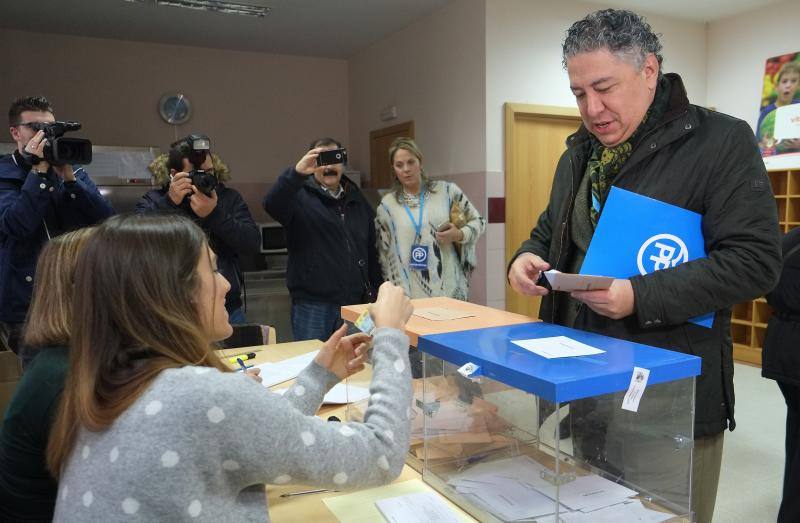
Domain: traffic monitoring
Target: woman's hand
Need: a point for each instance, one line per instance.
(392, 308)
(253, 374)
(344, 355)
(450, 235)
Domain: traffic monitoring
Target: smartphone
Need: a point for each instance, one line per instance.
(332, 157)
(443, 226)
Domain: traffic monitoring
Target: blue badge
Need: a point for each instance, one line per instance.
(418, 261)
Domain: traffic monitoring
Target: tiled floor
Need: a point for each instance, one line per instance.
(752, 461)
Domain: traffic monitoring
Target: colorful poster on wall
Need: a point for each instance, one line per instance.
(778, 129)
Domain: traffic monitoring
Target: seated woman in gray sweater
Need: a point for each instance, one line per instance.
(154, 427)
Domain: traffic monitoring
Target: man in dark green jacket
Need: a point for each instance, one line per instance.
(640, 133)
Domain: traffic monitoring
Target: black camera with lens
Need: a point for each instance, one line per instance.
(195, 148)
(61, 151)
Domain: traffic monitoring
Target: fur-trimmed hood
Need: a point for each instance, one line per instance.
(160, 171)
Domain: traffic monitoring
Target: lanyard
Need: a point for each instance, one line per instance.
(417, 226)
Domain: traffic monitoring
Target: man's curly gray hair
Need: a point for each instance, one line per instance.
(621, 32)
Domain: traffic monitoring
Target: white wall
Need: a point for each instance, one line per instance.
(737, 50)
(523, 58)
(433, 71)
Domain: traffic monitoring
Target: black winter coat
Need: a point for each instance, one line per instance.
(709, 163)
(781, 355)
(230, 229)
(332, 250)
(34, 208)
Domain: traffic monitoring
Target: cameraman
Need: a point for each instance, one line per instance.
(38, 201)
(219, 210)
(330, 231)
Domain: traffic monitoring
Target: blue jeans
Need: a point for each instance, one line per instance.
(314, 320)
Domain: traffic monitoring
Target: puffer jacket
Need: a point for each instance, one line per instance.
(230, 230)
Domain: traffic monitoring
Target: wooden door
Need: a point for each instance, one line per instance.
(380, 172)
(534, 141)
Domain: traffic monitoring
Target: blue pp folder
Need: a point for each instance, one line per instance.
(640, 235)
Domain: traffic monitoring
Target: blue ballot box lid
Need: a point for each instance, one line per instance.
(558, 379)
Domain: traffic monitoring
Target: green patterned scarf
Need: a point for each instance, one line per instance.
(606, 162)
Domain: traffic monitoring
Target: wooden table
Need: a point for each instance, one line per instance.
(417, 326)
(306, 508)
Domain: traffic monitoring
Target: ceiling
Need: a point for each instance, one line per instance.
(323, 28)
(696, 10)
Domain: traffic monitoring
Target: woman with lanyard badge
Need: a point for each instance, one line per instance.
(427, 230)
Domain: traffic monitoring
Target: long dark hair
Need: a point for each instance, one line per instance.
(134, 315)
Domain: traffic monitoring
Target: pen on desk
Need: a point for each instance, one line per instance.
(245, 356)
(242, 365)
(303, 492)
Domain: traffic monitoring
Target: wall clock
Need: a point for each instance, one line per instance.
(175, 108)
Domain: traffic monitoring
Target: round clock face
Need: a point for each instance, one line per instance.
(175, 108)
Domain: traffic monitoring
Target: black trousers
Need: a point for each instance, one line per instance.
(790, 505)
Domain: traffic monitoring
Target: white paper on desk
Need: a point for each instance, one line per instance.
(441, 314)
(562, 281)
(420, 507)
(557, 347)
(277, 372)
(340, 394)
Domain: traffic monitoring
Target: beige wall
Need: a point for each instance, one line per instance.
(739, 46)
(260, 110)
(433, 71)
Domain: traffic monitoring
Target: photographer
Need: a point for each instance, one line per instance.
(192, 179)
(330, 232)
(40, 198)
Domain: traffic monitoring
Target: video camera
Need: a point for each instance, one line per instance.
(194, 148)
(61, 151)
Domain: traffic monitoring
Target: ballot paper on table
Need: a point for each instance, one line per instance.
(557, 347)
(441, 314)
(288, 369)
(420, 507)
(340, 394)
(563, 281)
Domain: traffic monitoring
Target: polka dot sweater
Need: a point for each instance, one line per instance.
(200, 444)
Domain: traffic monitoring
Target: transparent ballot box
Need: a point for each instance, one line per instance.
(511, 433)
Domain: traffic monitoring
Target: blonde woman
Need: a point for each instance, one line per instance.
(27, 490)
(420, 247)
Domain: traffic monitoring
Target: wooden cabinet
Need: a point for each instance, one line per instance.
(749, 320)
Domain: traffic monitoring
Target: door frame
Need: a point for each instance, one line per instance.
(384, 131)
(514, 112)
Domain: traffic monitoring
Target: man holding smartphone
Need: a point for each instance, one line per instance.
(330, 233)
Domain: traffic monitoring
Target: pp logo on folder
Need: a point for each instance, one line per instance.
(662, 251)
(641, 235)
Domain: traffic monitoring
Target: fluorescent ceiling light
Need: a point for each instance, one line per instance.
(216, 6)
